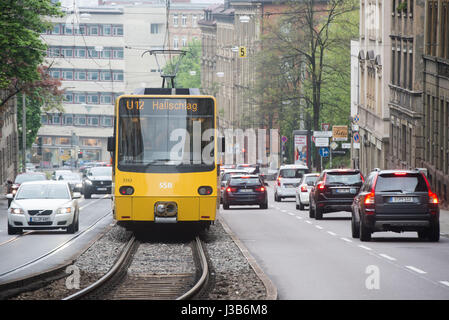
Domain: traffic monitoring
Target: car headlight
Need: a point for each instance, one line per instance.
(64, 210)
(16, 210)
(79, 185)
(88, 181)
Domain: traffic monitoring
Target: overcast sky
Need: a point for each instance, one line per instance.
(91, 3)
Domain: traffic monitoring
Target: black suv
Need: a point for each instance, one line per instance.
(334, 190)
(97, 180)
(245, 190)
(396, 200)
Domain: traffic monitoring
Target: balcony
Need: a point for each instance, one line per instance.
(405, 100)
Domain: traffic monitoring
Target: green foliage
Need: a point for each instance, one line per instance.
(21, 49)
(33, 118)
(190, 62)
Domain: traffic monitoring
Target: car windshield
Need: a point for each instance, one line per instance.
(292, 173)
(227, 175)
(38, 191)
(29, 177)
(347, 178)
(409, 183)
(311, 179)
(237, 181)
(101, 171)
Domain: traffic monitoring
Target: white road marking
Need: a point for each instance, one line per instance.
(446, 283)
(309, 222)
(383, 255)
(298, 217)
(284, 211)
(345, 239)
(292, 214)
(332, 233)
(365, 247)
(319, 227)
(416, 269)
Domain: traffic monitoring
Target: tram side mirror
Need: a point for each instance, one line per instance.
(111, 144)
(222, 143)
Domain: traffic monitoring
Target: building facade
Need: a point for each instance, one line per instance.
(98, 55)
(435, 121)
(406, 84)
(374, 77)
(8, 142)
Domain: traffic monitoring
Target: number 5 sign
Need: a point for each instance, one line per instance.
(242, 52)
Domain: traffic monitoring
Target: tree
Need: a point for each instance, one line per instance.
(310, 45)
(189, 68)
(21, 49)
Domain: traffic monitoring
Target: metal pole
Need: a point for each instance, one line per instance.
(24, 132)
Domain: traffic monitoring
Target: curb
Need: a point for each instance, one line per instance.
(272, 292)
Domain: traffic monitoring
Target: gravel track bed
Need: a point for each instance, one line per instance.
(232, 278)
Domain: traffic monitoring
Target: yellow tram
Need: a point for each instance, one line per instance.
(165, 167)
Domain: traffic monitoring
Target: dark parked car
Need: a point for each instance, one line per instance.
(11, 187)
(97, 180)
(334, 190)
(392, 200)
(245, 190)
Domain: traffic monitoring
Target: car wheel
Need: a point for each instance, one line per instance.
(276, 198)
(433, 234)
(301, 206)
(318, 214)
(365, 233)
(71, 228)
(355, 228)
(225, 206)
(12, 230)
(311, 212)
(264, 205)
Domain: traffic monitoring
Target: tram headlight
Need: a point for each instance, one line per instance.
(160, 208)
(205, 190)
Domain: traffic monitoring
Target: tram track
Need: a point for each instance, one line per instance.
(121, 284)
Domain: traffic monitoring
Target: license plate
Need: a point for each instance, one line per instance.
(101, 189)
(401, 199)
(245, 190)
(40, 219)
(289, 185)
(342, 190)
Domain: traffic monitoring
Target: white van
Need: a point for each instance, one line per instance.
(288, 178)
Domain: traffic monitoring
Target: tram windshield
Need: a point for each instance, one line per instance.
(166, 134)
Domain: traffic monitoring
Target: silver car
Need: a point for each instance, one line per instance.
(304, 188)
(287, 180)
(44, 205)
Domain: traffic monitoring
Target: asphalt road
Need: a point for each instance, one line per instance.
(30, 252)
(310, 259)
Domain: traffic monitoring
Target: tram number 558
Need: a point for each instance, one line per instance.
(165, 185)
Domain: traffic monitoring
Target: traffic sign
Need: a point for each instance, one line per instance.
(356, 118)
(242, 52)
(321, 142)
(334, 145)
(322, 134)
(325, 126)
(284, 139)
(356, 137)
(324, 152)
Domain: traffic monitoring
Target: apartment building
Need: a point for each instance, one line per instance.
(98, 53)
(374, 77)
(435, 121)
(8, 141)
(406, 83)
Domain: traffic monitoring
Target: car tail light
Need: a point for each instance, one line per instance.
(279, 182)
(369, 198)
(205, 190)
(126, 190)
(400, 173)
(229, 189)
(320, 186)
(260, 189)
(303, 189)
(433, 198)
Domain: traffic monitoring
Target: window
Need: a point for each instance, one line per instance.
(106, 53)
(80, 75)
(44, 119)
(93, 30)
(184, 20)
(68, 97)
(68, 119)
(154, 28)
(80, 53)
(106, 76)
(118, 53)
(410, 69)
(118, 76)
(56, 29)
(93, 53)
(67, 75)
(432, 23)
(80, 120)
(194, 20)
(55, 74)
(393, 62)
(175, 43)
(107, 30)
(107, 121)
(92, 75)
(63, 140)
(90, 142)
(92, 98)
(68, 29)
(92, 121)
(118, 30)
(106, 99)
(184, 41)
(67, 52)
(56, 119)
(175, 20)
(80, 98)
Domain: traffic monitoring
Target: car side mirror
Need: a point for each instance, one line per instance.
(76, 195)
(9, 196)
